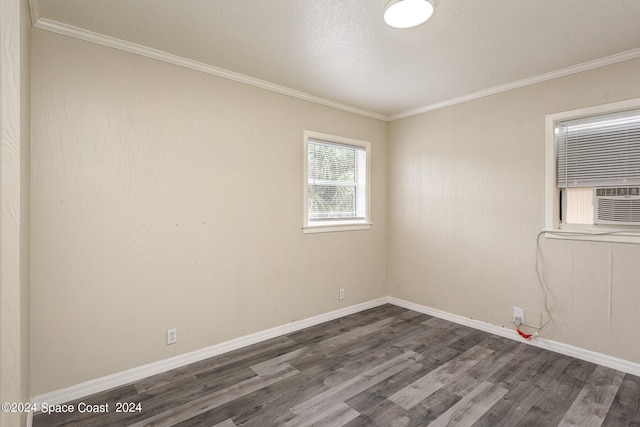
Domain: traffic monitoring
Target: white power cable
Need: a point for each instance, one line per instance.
(539, 265)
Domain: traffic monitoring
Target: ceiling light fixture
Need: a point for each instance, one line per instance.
(408, 13)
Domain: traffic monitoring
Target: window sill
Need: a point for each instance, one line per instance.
(595, 235)
(331, 228)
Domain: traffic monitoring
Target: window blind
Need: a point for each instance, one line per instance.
(333, 181)
(600, 150)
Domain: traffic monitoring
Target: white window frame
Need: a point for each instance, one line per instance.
(595, 232)
(347, 224)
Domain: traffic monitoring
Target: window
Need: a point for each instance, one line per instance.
(593, 172)
(336, 183)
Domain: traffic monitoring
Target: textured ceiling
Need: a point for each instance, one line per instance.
(341, 50)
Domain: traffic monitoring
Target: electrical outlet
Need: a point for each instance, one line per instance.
(341, 294)
(518, 313)
(172, 336)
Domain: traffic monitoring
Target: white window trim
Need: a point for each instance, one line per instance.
(553, 228)
(334, 226)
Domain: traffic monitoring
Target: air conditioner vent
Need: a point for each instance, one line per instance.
(617, 205)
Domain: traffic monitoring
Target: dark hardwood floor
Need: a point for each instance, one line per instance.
(387, 366)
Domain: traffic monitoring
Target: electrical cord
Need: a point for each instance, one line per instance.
(517, 321)
(540, 275)
(542, 284)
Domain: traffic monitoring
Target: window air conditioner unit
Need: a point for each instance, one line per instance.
(617, 205)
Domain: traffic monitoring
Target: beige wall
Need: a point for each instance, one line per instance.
(466, 187)
(164, 197)
(25, 198)
(14, 199)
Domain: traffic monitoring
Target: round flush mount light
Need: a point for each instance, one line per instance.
(407, 13)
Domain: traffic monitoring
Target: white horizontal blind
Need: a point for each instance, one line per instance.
(334, 186)
(599, 150)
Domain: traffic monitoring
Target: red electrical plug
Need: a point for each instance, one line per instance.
(523, 335)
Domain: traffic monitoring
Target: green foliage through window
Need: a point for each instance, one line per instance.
(333, 181)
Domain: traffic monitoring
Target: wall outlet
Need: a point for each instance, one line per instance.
(530, 318)
(518, 316)
(341, 294)
(172, 336)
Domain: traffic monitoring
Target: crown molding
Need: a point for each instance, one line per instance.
(82, 34)
(574, 69)
(34, 11)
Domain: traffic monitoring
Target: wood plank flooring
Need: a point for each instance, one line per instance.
(387, 366)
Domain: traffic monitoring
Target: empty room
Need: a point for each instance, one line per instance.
(296, 213)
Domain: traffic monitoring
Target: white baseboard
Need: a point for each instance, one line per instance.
(558, 347)
(115, 380)
(98, 385)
